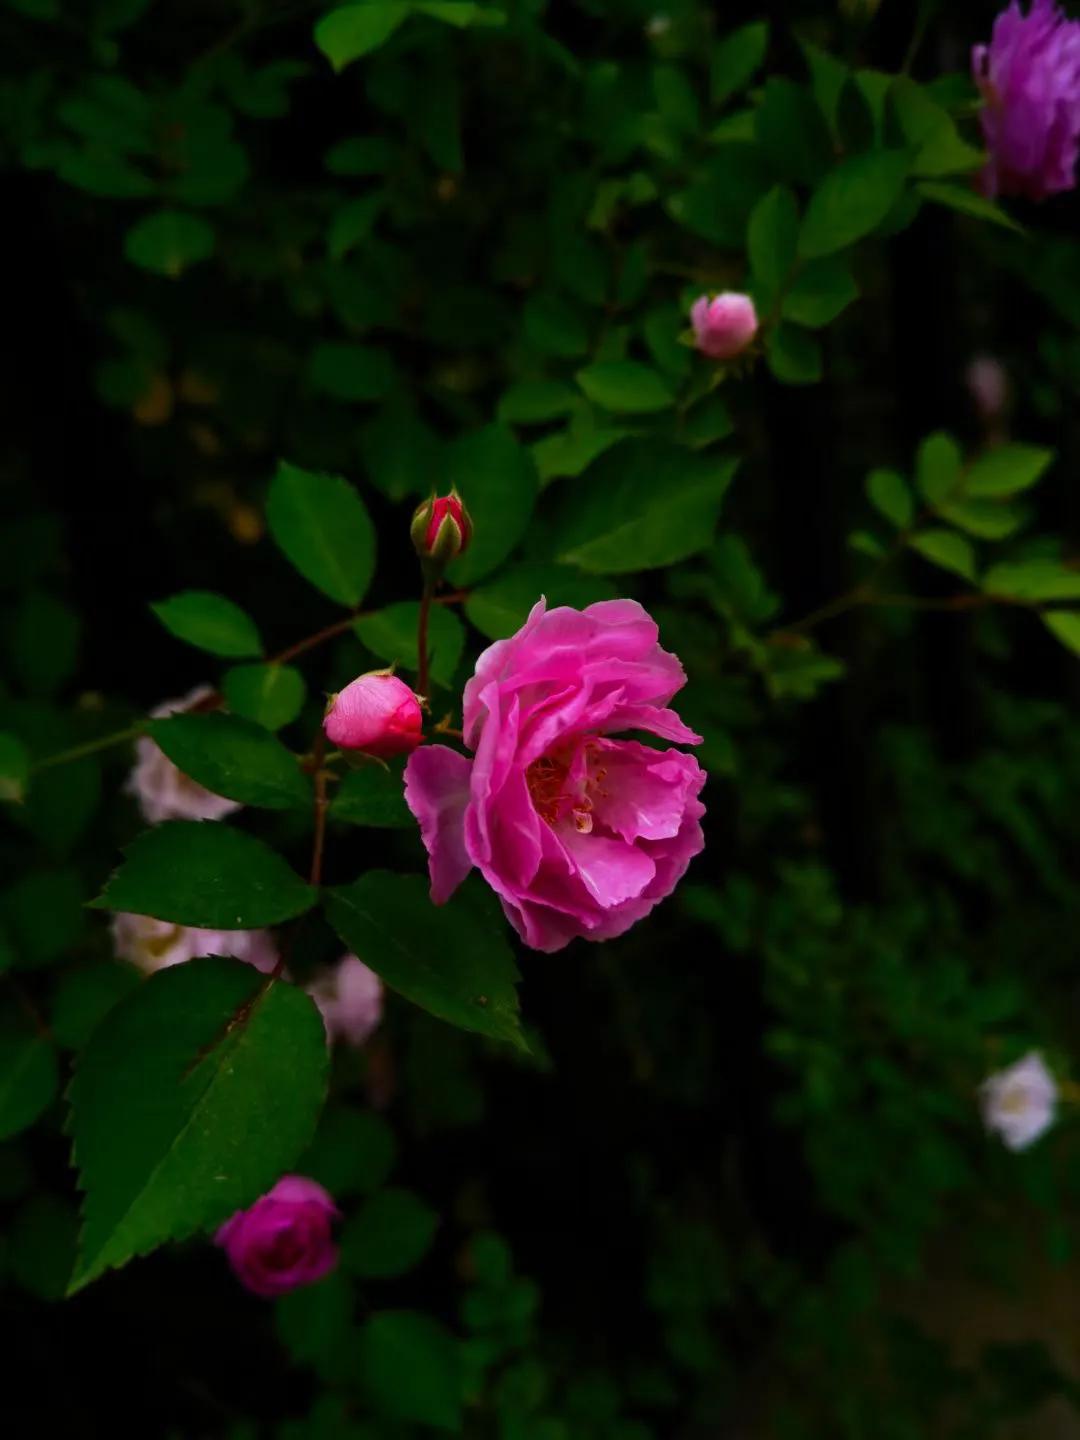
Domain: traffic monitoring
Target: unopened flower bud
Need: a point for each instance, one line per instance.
(441, 530)
(723, 326)
(378, 714)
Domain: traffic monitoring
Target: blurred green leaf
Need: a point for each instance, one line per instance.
(209, 622)
(269, 695)
(938, 467)
(1005, 470)
(84, 995)
(1033, 580)
(1064, 625)
(351, 31)
(448, 960)
(772, 236)
(43, 1240)
(314, 1324)
(967, 201)
(891, 496)
(43, 642)
(169, 242)
(625, 387)
(207, 874)
(931, 130)
(14, 767)
(235, 758)
(531, 402)
(29, 1080)
(200, 1057)
(353, 1151)
(373, 795)
(794, 356)
(735, 59)
(643, 504)
(322, 526)
(411, 1368)
(791, 129)
(946, 549)
(852, 201)
(500, 606)
(388, 1235)
(497, 478)
(821, 290)
(351, 372)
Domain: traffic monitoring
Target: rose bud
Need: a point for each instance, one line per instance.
(441, 529)
(378, 714)
(284, 1240)
(723, 326)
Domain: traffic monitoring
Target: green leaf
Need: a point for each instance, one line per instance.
(931, 131)
(794, 356)
(14, 767)
(322, 526)
(84, 995)
(355, 30)
(1064, 625)
(209, 622)
(190, 1101)
(791, 130)
(735, 60)
(43, 641)
(500, 606)
(314, 1324)
(269, 695)
(717, 203)
(1006, 470)
(625, 387)
(986, 519)
(29, 1080)
(644, 504)
(351, 372)
(401, 452)
(390, 634)
(235, 758)
(497, 478)
(373, 795)
(389, 1235)
(411, 1368)
(891, 496)
(453, 961)
(460, 13)
(938, 465)
(820, 292)
(353, 1152)
(852, 201)
(45, 912)
(169, 242)
(772, 236)
(947, 550)
(207, 874)
(967, 201)
(1033, 580)
(360, 155)
(531, 402)
(42, 1245)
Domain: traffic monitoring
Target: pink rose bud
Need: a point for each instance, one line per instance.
(285, 1240)
(441, 529)
(723, 326)
(378, 714)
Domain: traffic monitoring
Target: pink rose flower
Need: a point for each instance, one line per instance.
(723, 326)
(578, 835)
(378, 714)
(285, 1240)
(163, 791)
(1029, 76)
(350, 998)
(156, 944)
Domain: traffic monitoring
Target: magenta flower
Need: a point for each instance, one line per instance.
(1029, 76)
(284, 1240)
(165, 792)
(576, 833)
(376, 713)
(723, 326)
(349, 996)
(156, 944)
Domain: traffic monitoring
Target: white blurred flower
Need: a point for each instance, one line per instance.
(156, 944)
(1018, 1103)
(163, 791)
(349, 997)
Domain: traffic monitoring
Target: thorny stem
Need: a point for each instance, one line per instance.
(309, 642)
(422, 639)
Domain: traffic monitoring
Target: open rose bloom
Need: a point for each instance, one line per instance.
(1029, 76)
(157, 944)
(578, 833)
(162, 790)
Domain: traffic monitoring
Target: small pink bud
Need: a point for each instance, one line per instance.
(284, 1240)
(376, 713)
(441, 529)
(725, 325)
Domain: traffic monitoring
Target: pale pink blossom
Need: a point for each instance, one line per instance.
(284, 1240)
(1018, 1103)
(377, 714)
(723, 325)
(350, 999)
(156, 944)
(578, 834)
(162, 790)
(988, 385)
